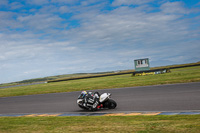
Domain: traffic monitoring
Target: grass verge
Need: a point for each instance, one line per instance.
(108, 124)
(180, 75)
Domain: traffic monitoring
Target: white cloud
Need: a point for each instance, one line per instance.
(64, 9)
(152, 34)
(37, 2)
(69, 48)
(7, 21)
(127, 24)
(48, 9)
(130, 2)
(174, 8)
(16, 5)
(64, 1)
(40, 21)
(59, 38)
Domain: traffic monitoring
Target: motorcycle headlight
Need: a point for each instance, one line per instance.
(79, 101)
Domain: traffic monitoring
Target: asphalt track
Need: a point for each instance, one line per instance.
(174, 97)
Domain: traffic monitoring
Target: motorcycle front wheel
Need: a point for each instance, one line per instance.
(112, 104)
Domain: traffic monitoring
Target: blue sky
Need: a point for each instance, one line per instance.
(41, 38)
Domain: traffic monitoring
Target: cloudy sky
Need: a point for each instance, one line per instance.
(41, 38)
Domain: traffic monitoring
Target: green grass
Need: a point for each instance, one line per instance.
(181, 75)
(108, 124)
(98, 124)
(91, 75)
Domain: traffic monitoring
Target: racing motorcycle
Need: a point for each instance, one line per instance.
(105, 102)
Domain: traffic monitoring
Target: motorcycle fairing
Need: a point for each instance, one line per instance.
(104, 97)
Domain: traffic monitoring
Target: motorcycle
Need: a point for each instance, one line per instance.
(105, 102)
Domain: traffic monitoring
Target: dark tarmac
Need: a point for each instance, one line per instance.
(173, 97)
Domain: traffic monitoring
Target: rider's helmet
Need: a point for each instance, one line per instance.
(82, 95)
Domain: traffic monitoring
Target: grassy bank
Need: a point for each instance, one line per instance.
(112, 124)
(84, 76)
(180, 75)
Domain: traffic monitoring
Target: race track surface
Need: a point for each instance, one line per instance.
(175, 97)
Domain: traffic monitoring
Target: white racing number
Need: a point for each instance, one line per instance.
(95, 104)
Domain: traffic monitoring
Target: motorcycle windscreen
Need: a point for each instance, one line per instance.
(81, 96)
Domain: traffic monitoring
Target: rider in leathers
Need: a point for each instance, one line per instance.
(91, 100)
